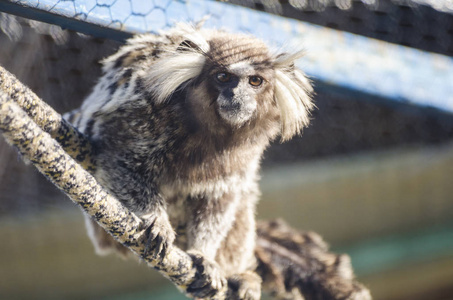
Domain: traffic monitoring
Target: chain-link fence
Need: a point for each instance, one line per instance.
(337, 57)
(371, 172)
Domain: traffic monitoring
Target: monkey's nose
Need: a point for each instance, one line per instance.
(228, 94)
(231, 106)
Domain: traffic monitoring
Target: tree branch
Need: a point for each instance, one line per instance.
(72, 141)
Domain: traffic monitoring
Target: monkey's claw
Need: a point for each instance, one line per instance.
(245, 286)
(209, 279)
(159, 236)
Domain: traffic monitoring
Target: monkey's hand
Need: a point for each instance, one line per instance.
(159, 234)
(245, 286)
(209, 278)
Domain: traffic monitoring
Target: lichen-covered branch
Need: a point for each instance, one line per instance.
(72, 141)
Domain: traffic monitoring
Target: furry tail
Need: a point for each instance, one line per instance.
(297, 265)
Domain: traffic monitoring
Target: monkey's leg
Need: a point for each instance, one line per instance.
(245, 286)
(209, 220)
(236, 255)
(210, 279)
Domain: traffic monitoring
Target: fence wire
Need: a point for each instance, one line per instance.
(373, 169)
(340, 58)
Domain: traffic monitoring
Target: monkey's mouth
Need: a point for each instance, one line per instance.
(235, 114)
(232, 108)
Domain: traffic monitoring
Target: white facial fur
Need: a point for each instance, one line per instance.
(237, 101)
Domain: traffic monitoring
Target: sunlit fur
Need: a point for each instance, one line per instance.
(181, 148)
(292, 93)
(178, 69)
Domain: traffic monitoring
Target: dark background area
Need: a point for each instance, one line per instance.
(372, 175)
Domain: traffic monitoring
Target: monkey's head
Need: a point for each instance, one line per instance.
(234, 80)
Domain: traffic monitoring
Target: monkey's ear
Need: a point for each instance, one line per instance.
(292, 94)
(175, 70)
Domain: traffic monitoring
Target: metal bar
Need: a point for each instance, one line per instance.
(66, 22)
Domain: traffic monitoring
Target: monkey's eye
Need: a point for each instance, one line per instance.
(255, 80)
(223, 77)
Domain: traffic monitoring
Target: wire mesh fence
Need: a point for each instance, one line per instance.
(340, 58)
(405, 22)
(374, 166)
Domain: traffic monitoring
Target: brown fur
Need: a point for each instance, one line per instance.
(185, 155)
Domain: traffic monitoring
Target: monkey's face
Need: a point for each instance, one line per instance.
(233, 80)
(238, 88)
(239, 78)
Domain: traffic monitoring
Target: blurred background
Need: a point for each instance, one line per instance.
(372, 173)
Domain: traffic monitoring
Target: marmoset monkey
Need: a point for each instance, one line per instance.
(179, 122)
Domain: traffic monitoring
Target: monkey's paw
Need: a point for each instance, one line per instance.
(245, 286)
(209, 278)
(159, 235)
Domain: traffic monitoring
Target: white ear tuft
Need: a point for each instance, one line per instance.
(285, 60)
(292, 94)
(179, 66)
(173, 70)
